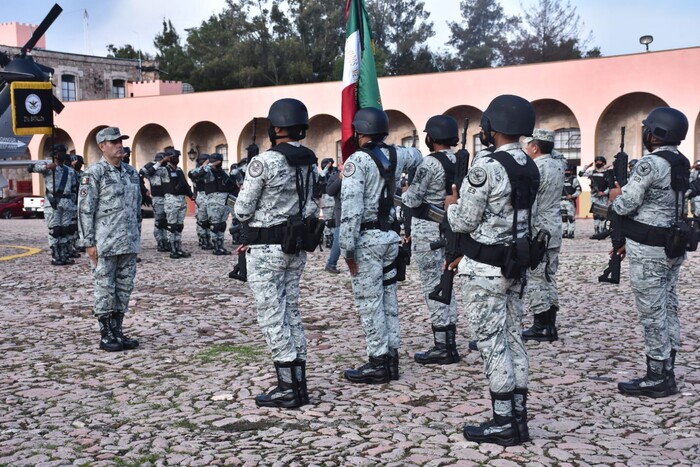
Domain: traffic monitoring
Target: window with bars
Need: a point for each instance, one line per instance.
(68, 89)
(568, 142)
(223, 150)
(118, 88)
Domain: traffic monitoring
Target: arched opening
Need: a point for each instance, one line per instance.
(461, 113)
(324, 137)
(401, 129)
(147, 142)
(255, 131)
(203, 137)
(553, 115)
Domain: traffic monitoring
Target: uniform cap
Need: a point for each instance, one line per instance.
(540, 134)
(111, 133)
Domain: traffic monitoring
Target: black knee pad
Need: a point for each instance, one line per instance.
(178, 227)
(161, 223)
(56, 231)
(203, 224)
(571, 219)
(219, 227)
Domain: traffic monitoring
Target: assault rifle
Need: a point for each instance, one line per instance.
(611, 274)
(451, 240)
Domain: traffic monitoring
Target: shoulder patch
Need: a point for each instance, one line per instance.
(477, 176)
(349, 169)
(84, 180)
(255, 169)
(643, 168)
(83, 192)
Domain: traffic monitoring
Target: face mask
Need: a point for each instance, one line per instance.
(599, 164)
(429, 143)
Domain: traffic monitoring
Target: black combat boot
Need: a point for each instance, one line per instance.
(56, 256)
(174, 254)
(300, 370)
(162, 246)
(452, 342)
(180, 252)
(553, 323)
(64, 252)
(501, 430)
(376, 371)
(286, 395)
(219, 249)
(520, 414)
(393, 364)
(117, 321)
(655, 384)
(440, 353)
(540, 330)
(108, 341)
(208, 244)
(669, 365)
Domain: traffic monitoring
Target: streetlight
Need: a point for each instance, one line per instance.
(646, 40)
(192, 154)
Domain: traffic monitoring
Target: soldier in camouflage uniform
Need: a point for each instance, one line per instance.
(599, 192)
(650, 203)
(76, 163)
(484, 210)
(571, 191)
(155, 179)
(695, 200)
(177, 190)
(430, 185)
(61, 183)
(219, 187)
(109, 206)
(542, 281)
(368, 242)
(197, 175)
(278, 194)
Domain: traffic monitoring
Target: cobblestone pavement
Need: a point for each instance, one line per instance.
(185, 396)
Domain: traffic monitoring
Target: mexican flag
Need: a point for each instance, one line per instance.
(360, 86)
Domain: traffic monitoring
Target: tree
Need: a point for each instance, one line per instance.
(400, 29)
(126, 51)
(549, 31)
(481, 37)
(173, 60)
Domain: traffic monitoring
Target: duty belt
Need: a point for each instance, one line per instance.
(374, 225)
(264, 235)
(644, 233)
(482, 252)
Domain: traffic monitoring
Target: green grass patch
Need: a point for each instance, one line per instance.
(239, 352)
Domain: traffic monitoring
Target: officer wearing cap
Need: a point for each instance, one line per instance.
(369, 240)
(151, 172)
(198, 175)
(61, 183)
(652, 201)
(571, 191)
(219, 187)
(176, 190)
(278, 203)
(542, 281)
(109, 207)
(491, 291)
(599, 192)
(432, 182)
(695, 199)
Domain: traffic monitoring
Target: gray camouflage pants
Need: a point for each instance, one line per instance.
(568, 212)
(218, 212)
(430, 264)
(273, 277)
(200, 213)
(495, 315)
(159, 213)
(542, 283)
(175, 211)
(377, 303)
(114, 282)
(654, 278)
(59, 217)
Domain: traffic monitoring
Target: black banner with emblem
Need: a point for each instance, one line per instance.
(32, 108)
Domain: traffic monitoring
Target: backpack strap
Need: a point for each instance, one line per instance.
(298, 157)
(680, 175)
(449, 167)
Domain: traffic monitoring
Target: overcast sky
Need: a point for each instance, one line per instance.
(616, 24)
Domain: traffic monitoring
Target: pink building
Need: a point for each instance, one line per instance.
(585, 101)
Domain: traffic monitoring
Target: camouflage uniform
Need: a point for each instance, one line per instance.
(694, 201)
(542, 283)
(372, 249)
(175, 202)
(219, 188)
(428, 186)
(268, 198)
(649, 199)
(597, 178)
(492, 302)
(63, 194)
(197, 176)
(109, 207)
(155, 180)
(568, 206)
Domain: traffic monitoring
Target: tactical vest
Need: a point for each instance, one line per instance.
(569, 188)
(220, 183)
(387, 170)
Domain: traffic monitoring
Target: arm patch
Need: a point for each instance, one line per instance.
(349, 169)
(255, 169)
(477, 177)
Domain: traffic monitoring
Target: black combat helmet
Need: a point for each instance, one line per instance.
(602, 159)
(569, 169)
(202, 157)
(371, 121)
(159, 156)
(216, 157)
(326, 161)
(510, 115)
(668, 125)
(59, 148)
(442, 127)
(288, 112)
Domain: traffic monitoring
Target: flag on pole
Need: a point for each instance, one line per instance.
(360, 86)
